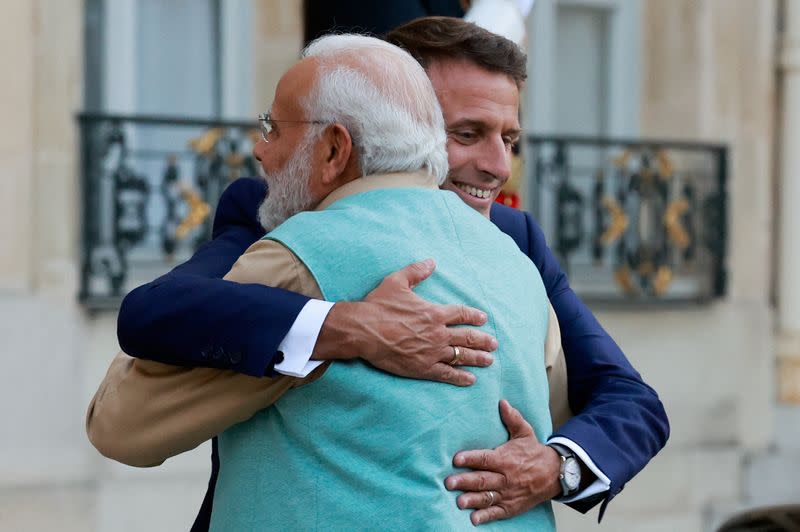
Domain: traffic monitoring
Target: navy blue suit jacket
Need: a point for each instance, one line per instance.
(191, 317)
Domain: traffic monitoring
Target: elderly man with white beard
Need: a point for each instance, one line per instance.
(354, 151)
(355, 132)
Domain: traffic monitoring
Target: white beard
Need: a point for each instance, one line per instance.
(288, 188)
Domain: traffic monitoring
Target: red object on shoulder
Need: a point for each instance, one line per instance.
(509, 200)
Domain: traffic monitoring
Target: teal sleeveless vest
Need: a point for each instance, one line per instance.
(359, 449)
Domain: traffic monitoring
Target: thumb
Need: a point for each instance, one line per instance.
(515, 424)
(415, 273)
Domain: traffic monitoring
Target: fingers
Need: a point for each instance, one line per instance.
(487, 515)
(478, 499)
(463, 315)
(472, 338)
(515, 424)
(482, 460)
(413, 274)
(446, 373)
(468, 357)
(442, 371)
(476, 481)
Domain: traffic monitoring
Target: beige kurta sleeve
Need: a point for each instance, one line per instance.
(145, 412)
(556, 367)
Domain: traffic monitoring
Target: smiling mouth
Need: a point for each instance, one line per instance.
(475, 192)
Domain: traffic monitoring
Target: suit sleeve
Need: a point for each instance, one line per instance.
(619, 420)
(192, 317)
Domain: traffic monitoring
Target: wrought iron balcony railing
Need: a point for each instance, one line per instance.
(632, 220)
(629, 220)
(150, 185)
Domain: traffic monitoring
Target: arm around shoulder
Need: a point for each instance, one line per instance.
(192, 317)
(193, 404)
(619, 420)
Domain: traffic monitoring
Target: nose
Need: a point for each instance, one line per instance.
(495, 159)
(258, 149)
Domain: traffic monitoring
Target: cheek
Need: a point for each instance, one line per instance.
(458, 155)
(272, 161)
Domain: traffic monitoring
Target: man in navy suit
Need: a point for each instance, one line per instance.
(192, 317)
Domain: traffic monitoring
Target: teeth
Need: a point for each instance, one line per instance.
(474, 191)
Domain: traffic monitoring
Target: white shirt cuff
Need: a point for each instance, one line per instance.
(299, 343)
(598, 486)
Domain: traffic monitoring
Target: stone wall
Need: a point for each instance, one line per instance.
(708, 74)
(53, 353)
(278, 38)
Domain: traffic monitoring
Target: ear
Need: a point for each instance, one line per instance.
(338, 147)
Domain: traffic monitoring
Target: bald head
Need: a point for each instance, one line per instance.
(392, 71)
(384, 99)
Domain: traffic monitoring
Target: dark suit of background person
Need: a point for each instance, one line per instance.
(375, 17)
(619, 420)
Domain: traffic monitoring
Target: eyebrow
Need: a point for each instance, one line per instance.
(468, 122)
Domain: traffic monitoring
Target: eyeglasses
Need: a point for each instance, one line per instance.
(267, 123)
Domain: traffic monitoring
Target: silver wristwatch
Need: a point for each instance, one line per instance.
(570, 472)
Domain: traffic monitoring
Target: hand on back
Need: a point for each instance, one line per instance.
(399, 332)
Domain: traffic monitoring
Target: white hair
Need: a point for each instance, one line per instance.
(385, 100)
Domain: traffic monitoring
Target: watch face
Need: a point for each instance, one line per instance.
(572, 474)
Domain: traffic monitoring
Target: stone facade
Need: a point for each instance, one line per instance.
(708, 73)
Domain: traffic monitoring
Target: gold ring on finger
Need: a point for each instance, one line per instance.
(456, 355)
